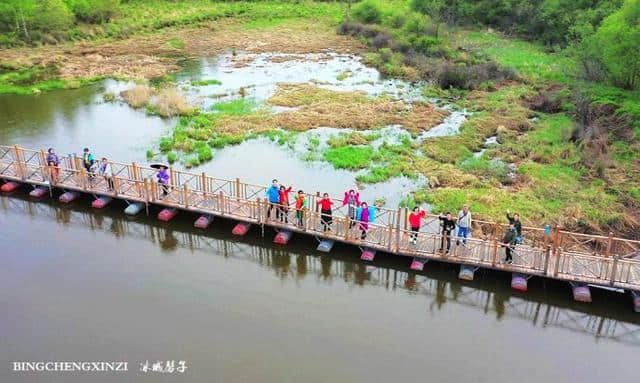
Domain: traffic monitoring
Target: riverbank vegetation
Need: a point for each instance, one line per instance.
(565, 113)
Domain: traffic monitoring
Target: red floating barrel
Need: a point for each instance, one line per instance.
(241, 228)
(418, 264)
(9, 186)
(68, 197)
(38, 192)
(581, 293)
(636, 300)
(203, 222)
(283, 237)
(368, 255)
(167, 214)
(519, 282)
(101, 202)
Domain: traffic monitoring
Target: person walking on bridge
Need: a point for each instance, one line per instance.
(464, 224)
(325, 212)
(302, 203)
(53, 162)
(415, 221)
(87, 160)
(163, 180)
(515, 220)
(352, 200)
(284, 203)
(366, 215)
(105, 170)
(448, 225)
(273, 195)
(508, 242)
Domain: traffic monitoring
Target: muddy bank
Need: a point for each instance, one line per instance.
(156, 55)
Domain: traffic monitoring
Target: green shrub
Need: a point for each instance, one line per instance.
(368, 11)
(94, 11)
(172, 157)
(166, 144)
(349, 157)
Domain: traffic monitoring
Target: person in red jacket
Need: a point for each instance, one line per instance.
(325, 208)
(284, 203)
(415, 219)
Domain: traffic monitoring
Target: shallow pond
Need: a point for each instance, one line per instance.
(69, 120)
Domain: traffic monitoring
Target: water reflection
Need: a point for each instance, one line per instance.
(548, 304)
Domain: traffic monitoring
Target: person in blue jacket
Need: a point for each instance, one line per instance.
(273, 194)
(365, 214)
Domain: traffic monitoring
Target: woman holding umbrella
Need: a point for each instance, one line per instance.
(163, 177)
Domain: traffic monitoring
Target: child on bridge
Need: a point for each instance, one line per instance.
(415, 220)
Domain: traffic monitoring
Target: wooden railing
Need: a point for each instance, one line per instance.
(555, 253)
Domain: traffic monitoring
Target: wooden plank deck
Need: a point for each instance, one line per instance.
(558, 254)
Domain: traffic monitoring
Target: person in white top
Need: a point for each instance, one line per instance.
(464, 224)
(105, 170)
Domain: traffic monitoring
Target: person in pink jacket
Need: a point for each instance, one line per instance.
(352, 200)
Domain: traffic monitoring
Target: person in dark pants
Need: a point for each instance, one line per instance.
(508, 242)
(87, 160)
(273, 194)
(448, 223)
(325, 210)
(163, 180)
(515, 220)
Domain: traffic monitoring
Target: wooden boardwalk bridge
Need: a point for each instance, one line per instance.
(558, 254)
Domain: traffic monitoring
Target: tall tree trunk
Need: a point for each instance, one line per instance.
(24, 27)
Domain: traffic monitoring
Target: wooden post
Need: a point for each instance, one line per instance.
(390, 237)
(609, 243)
(135, 171)
(172, 180)
(221, 202)
(185, 196)
(85, 178)
(547, 253)
(347, 229)
(406, 218)
(205, 187)
(146, 188)
(238, 188)
(315, 203)
(44, 166)
(614, 268)
(116, 183)
(19, 165)
(494, 257)
(398, 226)
(556, 239)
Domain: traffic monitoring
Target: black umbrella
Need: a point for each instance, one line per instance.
(159, 165)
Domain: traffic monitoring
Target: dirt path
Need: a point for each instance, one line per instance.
(157, 54)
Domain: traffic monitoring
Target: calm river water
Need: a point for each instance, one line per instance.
(83, 285)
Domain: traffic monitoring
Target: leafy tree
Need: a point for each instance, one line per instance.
(52, 15)
(618, 41)
(368, 11)
(433, 8)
